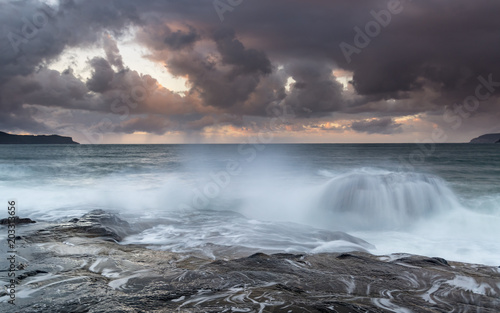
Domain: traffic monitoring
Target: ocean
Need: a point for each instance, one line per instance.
(220, 200)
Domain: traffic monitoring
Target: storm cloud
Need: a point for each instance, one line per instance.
(421, 60)
(384, 125)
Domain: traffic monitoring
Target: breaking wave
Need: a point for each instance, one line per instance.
(381, 199)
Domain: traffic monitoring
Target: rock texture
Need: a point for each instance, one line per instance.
(488, 138)
(79, 267)
(16, 220)
(6, 138)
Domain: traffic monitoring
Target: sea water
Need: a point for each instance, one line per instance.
(439, 200)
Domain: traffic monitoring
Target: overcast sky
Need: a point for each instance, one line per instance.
(189, 71)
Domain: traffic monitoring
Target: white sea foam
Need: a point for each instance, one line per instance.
(470, 284)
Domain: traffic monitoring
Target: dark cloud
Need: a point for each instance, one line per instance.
(179, 40)
(158, 124)
(245, 61)
(384, 125)
(33, 34)
(224, 82)
(161, 37)
(112, 53)
(150, 124)
(102, 75)
(315, 91)
(425, 59)
(21, 120)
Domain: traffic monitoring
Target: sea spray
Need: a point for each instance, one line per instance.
(374, 199)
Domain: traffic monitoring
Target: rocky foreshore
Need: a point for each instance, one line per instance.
(80, 266)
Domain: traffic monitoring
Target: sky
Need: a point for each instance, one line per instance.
(233, 71)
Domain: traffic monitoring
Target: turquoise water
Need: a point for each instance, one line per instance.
(441, 200)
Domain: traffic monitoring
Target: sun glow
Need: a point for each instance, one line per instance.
(134, 58)
(343, 77)
(289, 83)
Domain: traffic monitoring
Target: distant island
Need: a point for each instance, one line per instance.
(488, 138)
(11, 139)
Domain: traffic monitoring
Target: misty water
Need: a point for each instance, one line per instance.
(217, 199)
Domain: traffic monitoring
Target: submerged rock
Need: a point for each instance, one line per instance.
(95, 224)
(78, 269)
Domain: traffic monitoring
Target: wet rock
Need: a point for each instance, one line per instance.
(345, 256)
(95, 224)
(441, 260)
(30, 274)
(423, 261)
(74, 267)
(16, 220)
